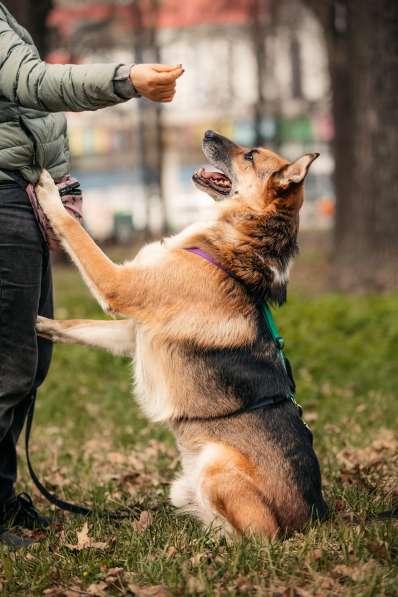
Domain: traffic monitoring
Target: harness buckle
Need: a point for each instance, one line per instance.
(280, 342)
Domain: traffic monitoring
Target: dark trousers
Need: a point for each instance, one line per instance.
(25, 291)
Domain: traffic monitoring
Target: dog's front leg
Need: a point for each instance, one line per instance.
(100, 274)
(117, 337)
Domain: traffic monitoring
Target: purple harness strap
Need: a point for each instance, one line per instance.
(208, 258)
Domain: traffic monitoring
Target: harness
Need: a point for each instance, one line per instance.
(279, 343)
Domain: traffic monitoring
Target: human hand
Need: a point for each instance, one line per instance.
(156, 82)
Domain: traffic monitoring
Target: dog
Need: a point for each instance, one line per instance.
(205, 360)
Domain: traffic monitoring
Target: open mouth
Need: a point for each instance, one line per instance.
(213, 180)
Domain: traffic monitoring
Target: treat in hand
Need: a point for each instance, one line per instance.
(156, 82)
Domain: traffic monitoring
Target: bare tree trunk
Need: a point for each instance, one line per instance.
(32, 14)
(140, 43)
(160, 150)
(160, 144)
(150, 120)
(265, 19)
(259, 31)
(362, 42)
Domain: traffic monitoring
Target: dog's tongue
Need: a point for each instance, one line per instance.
(212, 175)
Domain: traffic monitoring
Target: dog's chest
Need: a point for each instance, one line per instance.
(151, 380)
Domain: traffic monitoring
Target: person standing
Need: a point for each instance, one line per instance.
(33, 136)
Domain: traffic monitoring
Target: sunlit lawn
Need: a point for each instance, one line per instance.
(91, 443)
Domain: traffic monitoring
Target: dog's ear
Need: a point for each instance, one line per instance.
(293, 173)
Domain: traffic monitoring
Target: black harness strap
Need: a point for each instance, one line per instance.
(264, 403)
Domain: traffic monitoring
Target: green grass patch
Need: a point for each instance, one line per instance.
(91, 444)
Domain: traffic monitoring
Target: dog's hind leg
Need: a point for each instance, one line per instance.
(241, 505)
(117, 336)
(227, 489)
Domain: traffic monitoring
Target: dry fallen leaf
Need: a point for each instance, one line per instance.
(195, 560)
(73, 592)
(114, 573)
(381, 448)
(98, 589)
(283, 592)
(195, 585)
(61, 592)
(30, 557)
(171, 551)
(117, 458)
(244, 585)
(85, 542)
(317, 553)
(143, 522)
(58, 478)
(310, 416)
(154, 591)
(356, 572)
(300, 592)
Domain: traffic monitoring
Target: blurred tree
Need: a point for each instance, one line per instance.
(150, 117)
(362, 46)
(32, 14)
(259, 31)
(264, 19)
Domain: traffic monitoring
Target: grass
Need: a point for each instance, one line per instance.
(91, 444)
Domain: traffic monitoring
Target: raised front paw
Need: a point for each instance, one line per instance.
(47, 194)
(48, 328)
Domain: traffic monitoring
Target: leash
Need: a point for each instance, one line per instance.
(56, 501)
(279, 344)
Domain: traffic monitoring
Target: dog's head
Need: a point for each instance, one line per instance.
(257, 176)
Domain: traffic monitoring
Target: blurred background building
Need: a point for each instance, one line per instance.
(255, 73)
(293, 75)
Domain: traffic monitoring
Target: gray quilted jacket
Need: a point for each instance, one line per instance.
(33, 96)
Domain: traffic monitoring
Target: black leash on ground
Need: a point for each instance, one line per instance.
(62, 504)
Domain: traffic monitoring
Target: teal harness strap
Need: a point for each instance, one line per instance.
(276, 337)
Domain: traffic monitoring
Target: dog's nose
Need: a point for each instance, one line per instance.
(209, 135)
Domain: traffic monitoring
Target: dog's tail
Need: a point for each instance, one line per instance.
(377, 517)
(386, 515)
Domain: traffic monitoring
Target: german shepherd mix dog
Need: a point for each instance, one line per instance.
(205, 360)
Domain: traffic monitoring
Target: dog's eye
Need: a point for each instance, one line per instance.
(249, 155)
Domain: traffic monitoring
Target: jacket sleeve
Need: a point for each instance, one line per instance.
(30, 82)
